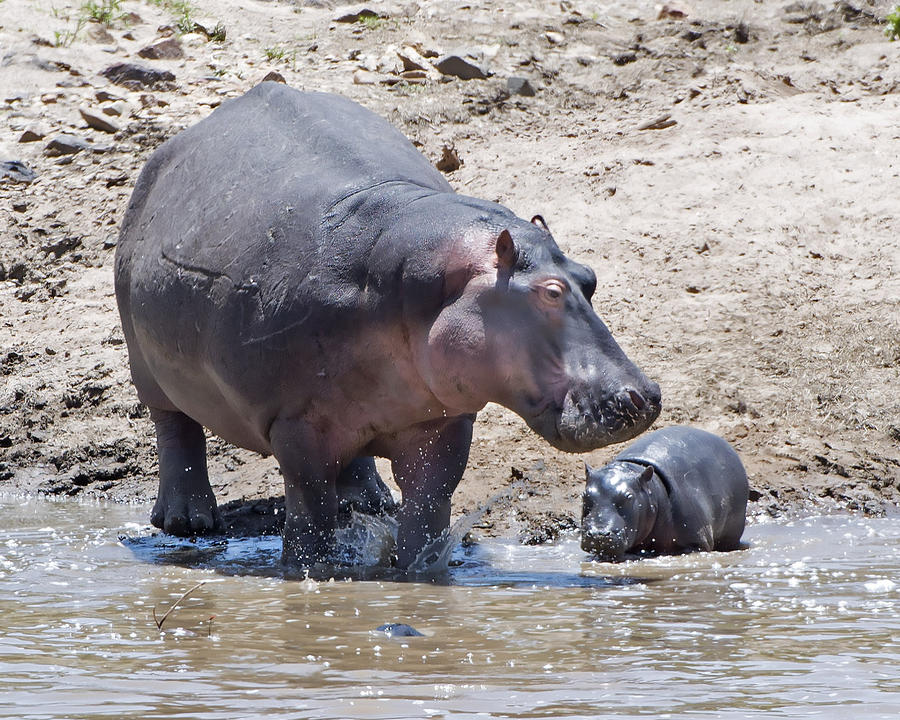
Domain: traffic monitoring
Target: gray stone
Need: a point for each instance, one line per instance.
(458, 66)
(65, 144)
(32, 133)
(132, 75)
(106, 96)
(167, 49)
(15, 171)
(116, 109)
(98, 121)
(357, 15)
(519, 86)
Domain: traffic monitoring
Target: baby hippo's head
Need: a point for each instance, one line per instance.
(617, 509)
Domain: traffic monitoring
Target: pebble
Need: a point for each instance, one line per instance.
(366, 77)
(65, 144)
(32, 133)
(458, 66)
(16, 171)
(554, 38)
(106, 96)
(99, 34)
(119, 108)
(519, 86)
(167, 49)
(99, 121)
(131, 74)
(357, 15)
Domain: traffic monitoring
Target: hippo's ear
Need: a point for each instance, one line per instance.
(588, 470)
(540, 222)
(506, 250)
(646, 475)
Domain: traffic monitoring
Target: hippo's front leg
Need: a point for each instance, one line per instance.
(310, 493)
(185, 504)
(428, 462)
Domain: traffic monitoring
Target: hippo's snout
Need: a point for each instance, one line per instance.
(585, 423)
(605, 545)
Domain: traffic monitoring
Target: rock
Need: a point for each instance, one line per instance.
(14, 171)
(98, 121)
(99, 34)
(65, 144)
(357, 15)
(458, 66)
(135, 76)
(554, 38)
(274, 76)
(61, 246)
(660, 123)
(167, 49)
(106, 96)
(519, 86)
(398, 630)
(414, 60)
(119, 108)
(672, 12)
(148, 100)
(366, 77)
(624, 58)
(449, 160)
(31, 134)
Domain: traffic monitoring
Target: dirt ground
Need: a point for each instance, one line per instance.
(730, 169)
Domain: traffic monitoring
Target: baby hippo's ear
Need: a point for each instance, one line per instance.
(588, 470)
(646, 475)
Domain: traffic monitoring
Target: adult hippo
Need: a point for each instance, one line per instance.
(293, 275)
(675, 490)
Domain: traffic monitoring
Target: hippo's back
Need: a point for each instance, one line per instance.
(704, 476)
(273, 159)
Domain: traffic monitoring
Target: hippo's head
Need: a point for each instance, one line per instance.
(517, 328)
(618, 510)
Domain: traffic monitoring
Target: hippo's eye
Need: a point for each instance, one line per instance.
(551, 292)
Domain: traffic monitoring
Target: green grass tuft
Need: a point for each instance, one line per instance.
(893, 24)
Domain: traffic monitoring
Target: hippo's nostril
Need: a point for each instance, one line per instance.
(636, 399)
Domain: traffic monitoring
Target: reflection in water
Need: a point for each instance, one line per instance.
(803, 623)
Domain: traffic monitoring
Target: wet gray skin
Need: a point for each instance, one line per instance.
(675, 490)
(293, 275)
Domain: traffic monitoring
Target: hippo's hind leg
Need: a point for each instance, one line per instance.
(185, 504)
(361, 488)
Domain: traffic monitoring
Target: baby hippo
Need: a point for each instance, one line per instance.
(674, 490)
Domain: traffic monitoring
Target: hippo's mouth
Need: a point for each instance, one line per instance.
(582, 423)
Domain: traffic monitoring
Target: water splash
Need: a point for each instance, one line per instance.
(434, 558)
(368, 541)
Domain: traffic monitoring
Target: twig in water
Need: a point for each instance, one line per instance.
(159, 623)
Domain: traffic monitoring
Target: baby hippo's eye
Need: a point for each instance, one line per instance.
(552, 292)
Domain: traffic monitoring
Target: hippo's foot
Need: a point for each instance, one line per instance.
(186, 516)
(185, 504)
(361, 488)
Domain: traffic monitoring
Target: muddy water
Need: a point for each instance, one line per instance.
(804, 623)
